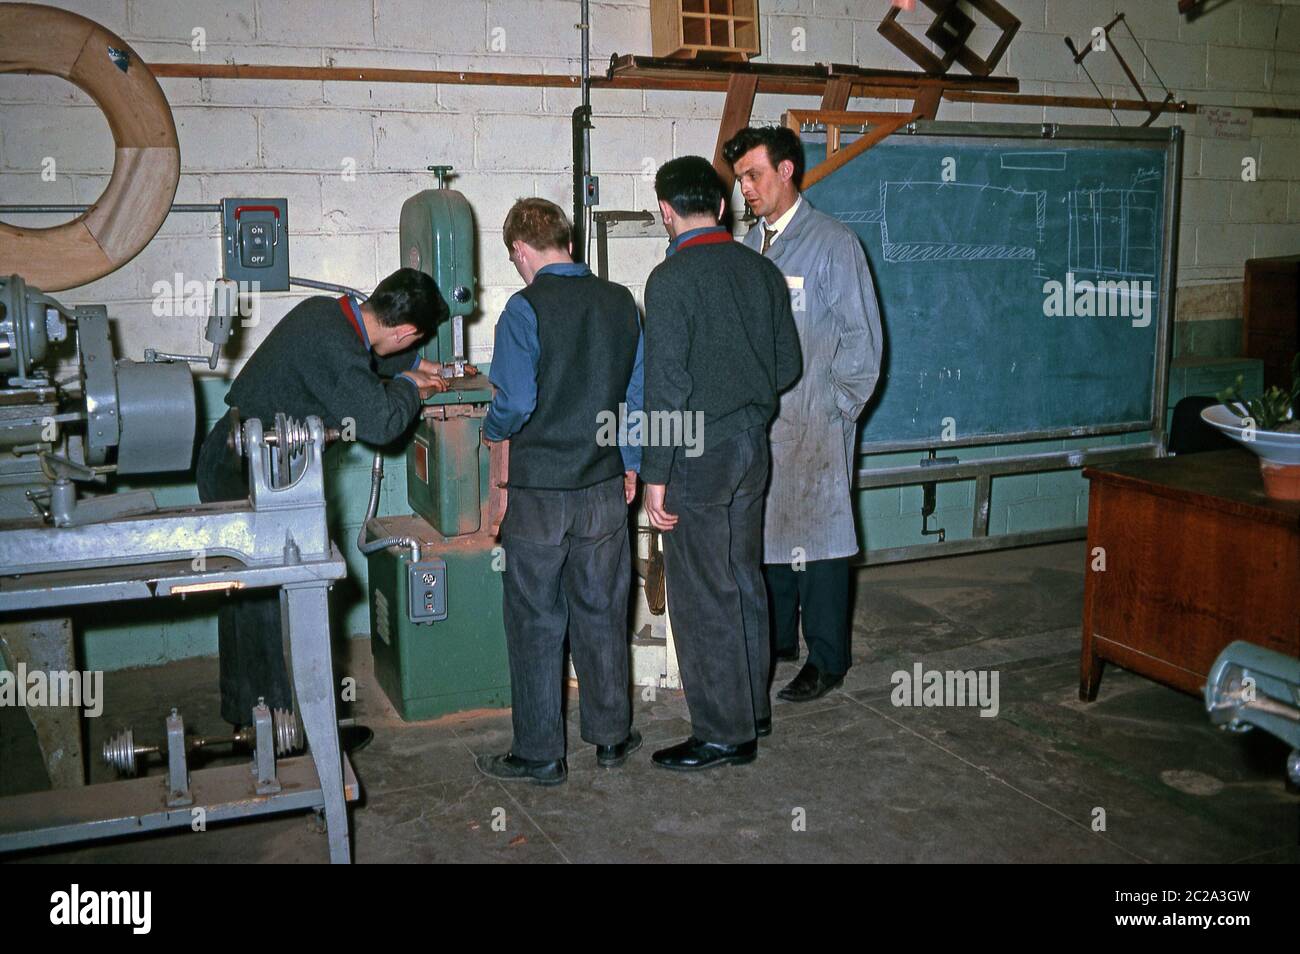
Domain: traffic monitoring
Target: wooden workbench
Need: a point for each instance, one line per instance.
(1195, 556)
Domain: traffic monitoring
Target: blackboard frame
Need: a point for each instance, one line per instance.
(935, 469)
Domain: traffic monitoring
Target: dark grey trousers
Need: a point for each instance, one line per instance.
(716, 598)
(567, 569)
(250, 639)
(819, 593)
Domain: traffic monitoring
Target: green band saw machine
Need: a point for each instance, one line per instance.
(435, 589)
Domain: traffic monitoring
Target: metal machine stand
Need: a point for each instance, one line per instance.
(278, 538)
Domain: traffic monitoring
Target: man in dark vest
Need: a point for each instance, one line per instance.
(567, 355)
(344, 362)
(721, 344)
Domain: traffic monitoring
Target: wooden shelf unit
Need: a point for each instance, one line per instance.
(716, 29)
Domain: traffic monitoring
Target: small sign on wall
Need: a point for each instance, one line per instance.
(1224, 122)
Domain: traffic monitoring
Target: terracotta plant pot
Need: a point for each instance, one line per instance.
(1281, 481)
(1278, 451)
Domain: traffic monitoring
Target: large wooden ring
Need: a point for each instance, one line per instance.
(146, 158)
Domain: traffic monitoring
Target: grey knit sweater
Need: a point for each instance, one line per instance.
(720, 339)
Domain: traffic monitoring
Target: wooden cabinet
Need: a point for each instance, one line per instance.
(717, 29)
(1195, 556)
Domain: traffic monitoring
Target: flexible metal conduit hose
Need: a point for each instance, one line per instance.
(377, 478)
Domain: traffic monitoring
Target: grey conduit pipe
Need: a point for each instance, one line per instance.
(377, 478)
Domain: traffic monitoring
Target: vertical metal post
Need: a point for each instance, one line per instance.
(1168, 284)
(582, 144)
(178, 773)
(602, 245)
(264, 759)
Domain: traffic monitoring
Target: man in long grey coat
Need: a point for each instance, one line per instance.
(809, 536)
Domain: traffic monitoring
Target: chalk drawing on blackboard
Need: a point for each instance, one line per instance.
(1115, 232)
(966, 215)
(1034, 161)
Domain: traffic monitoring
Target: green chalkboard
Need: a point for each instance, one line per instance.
(966, 234)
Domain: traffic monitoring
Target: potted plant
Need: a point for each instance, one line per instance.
(1270, 427)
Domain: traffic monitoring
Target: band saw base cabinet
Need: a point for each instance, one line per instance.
(429, 669)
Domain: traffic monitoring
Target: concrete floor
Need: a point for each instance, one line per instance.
(874, 782)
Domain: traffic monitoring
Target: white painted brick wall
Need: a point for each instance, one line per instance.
(524, 143)
(417, 25)
(1259, 24)
(1277, 239)
(411, 142)
(1182, 66)
(216, 139)
(1260, 201)
(294, 22)
(226, 22)
(822, 40)
(528, 28)
(320, 140)
(1237, 68)
(290, 138)
(76, 137)
(1220, 244)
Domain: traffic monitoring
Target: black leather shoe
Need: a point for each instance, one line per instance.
(763, 727)
(786, 655)
(811, 683)
(694, 754)
(611, 756)
(511, 768)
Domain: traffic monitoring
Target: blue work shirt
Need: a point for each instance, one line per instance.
(515, 356)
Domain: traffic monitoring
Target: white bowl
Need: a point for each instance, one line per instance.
(1275, 447)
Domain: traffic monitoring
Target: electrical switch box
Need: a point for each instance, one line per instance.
(427, 586)
(255, 242)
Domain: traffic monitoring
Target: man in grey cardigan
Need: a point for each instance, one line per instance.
(720, 344)
(809, 537)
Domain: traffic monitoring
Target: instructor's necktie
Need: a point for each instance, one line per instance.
(768, 235)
